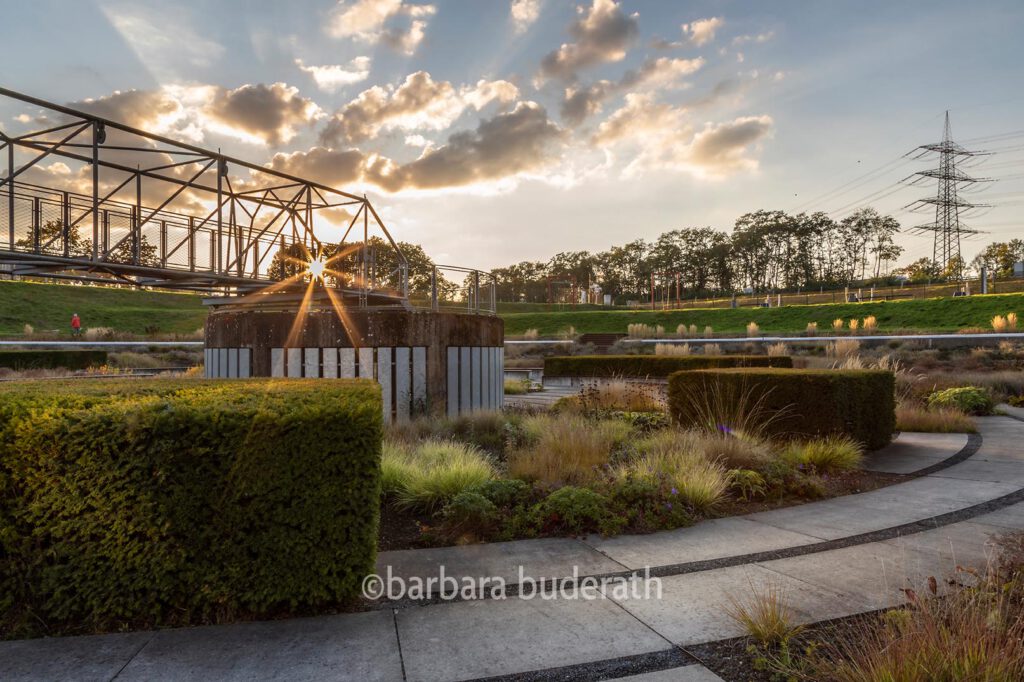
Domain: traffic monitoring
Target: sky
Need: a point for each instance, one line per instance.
(494, 131)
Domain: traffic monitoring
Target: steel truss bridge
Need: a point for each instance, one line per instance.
(146, 210)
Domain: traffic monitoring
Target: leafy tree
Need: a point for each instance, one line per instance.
(51, 240)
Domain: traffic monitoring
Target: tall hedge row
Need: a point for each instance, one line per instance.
(166, 502)
(659, 366)
(788, 402)
(52, 359)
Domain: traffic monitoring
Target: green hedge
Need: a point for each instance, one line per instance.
(169, 502)
(801, 403)
(651, 365)
(52, 359)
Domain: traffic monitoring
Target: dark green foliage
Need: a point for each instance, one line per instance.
(646, 505)
(651, 365)
(575, 510)
(52, 359)
(470, 512)
(801, 403)
(967, 399)
(504, 492)
(175, 502)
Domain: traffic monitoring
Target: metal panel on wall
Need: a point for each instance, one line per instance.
(346, 363)
(311, 366)
(403, 383)
(294, 356)
(244, 363)
(277, 362)
(419, 380)
(365, 369)
(330, 363)
(233, 363)
(465, 385)
(452, 369)
(384, 379)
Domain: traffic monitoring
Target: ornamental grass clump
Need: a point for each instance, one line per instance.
(753, 329)
(870, 323)
(566, 449)
(825, 455)
(910, 417)
(672, 349)
(812, 328)
(999, 323)
(837, 324)
(674, 459)
(765, 615)
(428, 475)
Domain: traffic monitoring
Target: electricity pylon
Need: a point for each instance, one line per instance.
(950, 208)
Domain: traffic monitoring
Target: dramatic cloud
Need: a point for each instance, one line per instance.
(702, 31)
(524, 13)
(582, 102)
(268, 113)
(419, 103)
(366, 20)
(501, 147)
(723, 147)
(663, 139)
(603, 34)
(332, 78)
(258, 114)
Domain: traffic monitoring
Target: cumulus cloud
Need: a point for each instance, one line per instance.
(582, 102)
(333, 77)
(662, 139)
(260, 114)
(702, 31)
(419, 103)
(604, 33)
(757, 38)
(372, 21)
(506, 145)
(524, 13)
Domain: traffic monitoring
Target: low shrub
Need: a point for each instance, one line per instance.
(825, 455)
(52, 359)
(746, 483)
(470, 512)
(791, 403)
(967, 399)
(650, 365)
(646, 505)
(575, 510)
(504, 492)
(171, 502)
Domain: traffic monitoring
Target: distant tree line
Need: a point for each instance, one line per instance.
(767, 251)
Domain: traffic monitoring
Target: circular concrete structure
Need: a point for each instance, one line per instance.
(425, 361)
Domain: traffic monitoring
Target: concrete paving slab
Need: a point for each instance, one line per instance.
(953, 545)
(358, 647)
(693, 607)
(893, 505)
(540, 559)
(1002, 439)
(688, 673)
(1012, 411)
(467, 640)
(95, 657)
(996, 471)
(911, 452)
(711, 539)
(1011, 517)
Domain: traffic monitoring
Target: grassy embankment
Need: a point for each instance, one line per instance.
(48, 308)
(919, 315)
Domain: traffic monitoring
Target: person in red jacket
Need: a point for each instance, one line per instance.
(76, 325)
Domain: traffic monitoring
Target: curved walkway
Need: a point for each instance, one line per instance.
(833, 558)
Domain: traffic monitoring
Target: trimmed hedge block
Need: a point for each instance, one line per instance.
(169, 502)
(801, 403)
(659, 366)
(52, 359)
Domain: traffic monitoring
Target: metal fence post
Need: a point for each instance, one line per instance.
(476, 291)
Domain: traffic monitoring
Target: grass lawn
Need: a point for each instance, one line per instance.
(48, 307)
(932, 314)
